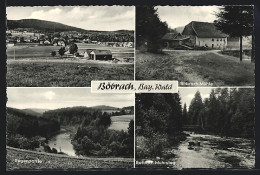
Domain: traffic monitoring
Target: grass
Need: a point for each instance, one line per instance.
(56, 161)
(195, 67)
(121, 122)
(223, 71)
(58, 74)
(34, 51)
(151, 66)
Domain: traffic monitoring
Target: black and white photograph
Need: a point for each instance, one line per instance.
(68, 46)
(196, 128)
(68, 128)
(196, 45)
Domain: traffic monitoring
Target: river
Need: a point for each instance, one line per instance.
(206, 151)
(62, 142)
(215, 152)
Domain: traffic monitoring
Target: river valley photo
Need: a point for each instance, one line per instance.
(73, 131)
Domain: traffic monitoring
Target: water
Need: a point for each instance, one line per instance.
(215, 152)
(62, 142)
(206, 151)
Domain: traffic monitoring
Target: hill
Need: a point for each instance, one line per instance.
(57, 161)
(41, 25)
(104, 107)
(49, 26)
(23, 122)
(36, 110)
(73, 116)
(179, 29)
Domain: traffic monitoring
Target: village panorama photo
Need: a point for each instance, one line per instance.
(196, 45)
(68, 46)
(68, 128)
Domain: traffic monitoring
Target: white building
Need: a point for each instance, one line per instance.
(205, 34)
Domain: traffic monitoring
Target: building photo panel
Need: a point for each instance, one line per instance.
(68, 46)
(68, 128)
(196, 128)
(196, 45)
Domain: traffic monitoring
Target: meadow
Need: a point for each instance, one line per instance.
(120, 122)
(33, 66)
(60, 74)
(195, 67)
(58, 161)
(23, 51)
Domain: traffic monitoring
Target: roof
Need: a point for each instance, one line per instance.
(207, 30)
(170, 36)
(173, 36)
(102, 52)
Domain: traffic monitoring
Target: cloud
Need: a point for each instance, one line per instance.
(53, 98)
(49, 95)
(86, 17)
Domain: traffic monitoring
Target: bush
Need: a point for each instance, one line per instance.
(22, 142)
(53, 53)
(73, 48)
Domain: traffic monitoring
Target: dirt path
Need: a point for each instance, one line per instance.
(186, 71)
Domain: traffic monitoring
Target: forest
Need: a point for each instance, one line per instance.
(93, 138)
(158, 123)
(24, 130)
(150, 29)
(161, 119)
(227, 112)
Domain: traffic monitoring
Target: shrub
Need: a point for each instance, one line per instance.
(53, 53)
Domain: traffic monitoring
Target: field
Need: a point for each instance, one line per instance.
(121, 122)
(195, 67)
(33, 66)
(60, 74)
(34, 51)
(57, 161)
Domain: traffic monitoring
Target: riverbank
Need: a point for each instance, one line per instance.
(39, 160)
(206, 151)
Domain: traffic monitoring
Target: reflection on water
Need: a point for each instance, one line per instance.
(62, 142)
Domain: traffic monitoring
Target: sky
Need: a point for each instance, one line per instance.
(108, 18)
(177, 16)
(53, 98)
(187, 94)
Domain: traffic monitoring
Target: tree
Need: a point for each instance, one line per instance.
(237, 21)
(62, 51)
(184, 115)
(53, 53)
(73, 48)
(194, 110)
(149, 28)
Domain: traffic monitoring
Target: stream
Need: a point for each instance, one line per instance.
(210, 151)
(205, 151)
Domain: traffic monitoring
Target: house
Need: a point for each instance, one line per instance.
(172, 40)
(205, 34)
(86, 54)
(101, 55)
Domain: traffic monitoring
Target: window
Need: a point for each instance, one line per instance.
(212, 39)
(217, 39)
